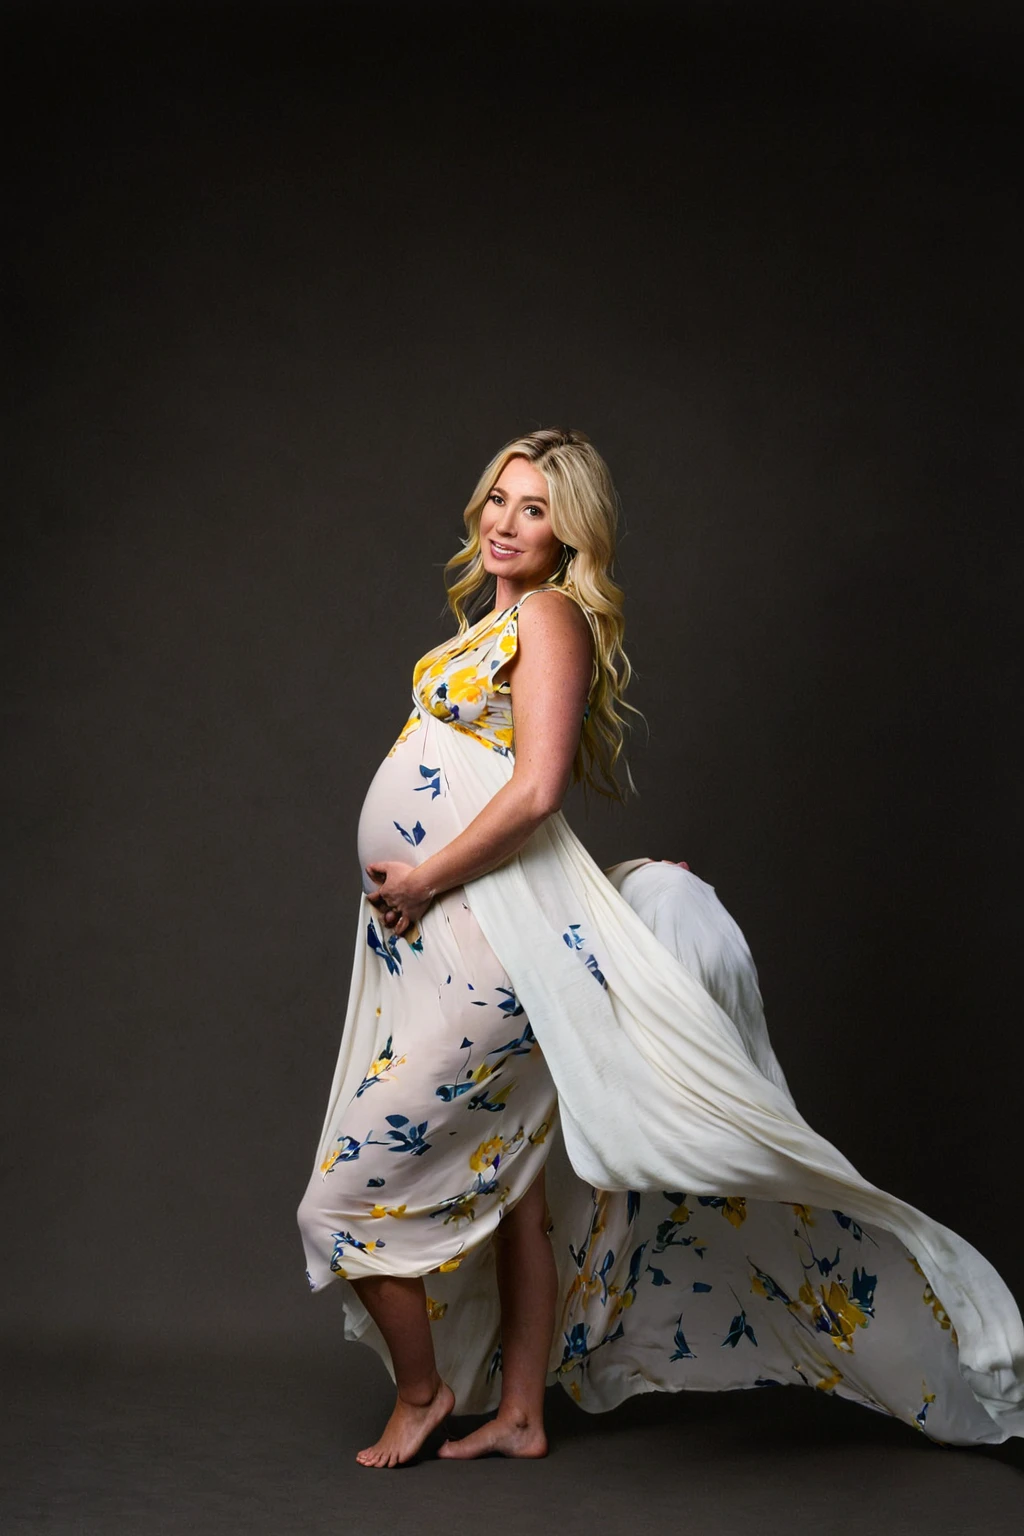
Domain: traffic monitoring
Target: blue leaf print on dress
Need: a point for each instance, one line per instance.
(607, 1264)
(862, 1291)
(403, 1137)
(433, 777)
(853, 1227)
(416, 836)
(385, 950)
(518, 1047)
(823, 1266)
(578, 1348)
(575, 941)
(477, 1075)
(633, 1278)
(482, 1101)
(592, 966)
(682, 1350)
(347, 1153)
(407, 1137)
(575, 1343)
(732, 1207)
(768, 1287)
(737, 1328)
(343, 1240)
(666, 1236)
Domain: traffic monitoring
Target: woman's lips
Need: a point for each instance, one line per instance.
(503, 554)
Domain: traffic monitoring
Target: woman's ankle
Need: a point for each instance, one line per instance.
(420, 1394)
(521, 1415)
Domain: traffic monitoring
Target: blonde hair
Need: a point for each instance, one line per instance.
(584, 508)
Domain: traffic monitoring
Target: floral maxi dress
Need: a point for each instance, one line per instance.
(450, 1122)
(608, 1026)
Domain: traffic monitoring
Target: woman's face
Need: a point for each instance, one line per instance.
(516, 540)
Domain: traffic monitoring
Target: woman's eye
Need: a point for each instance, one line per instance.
(494, 496)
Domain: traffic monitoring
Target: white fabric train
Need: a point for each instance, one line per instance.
(667, 1081)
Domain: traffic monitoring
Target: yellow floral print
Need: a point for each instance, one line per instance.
(456, 682)
(939, 1312)
(466, 686)
(830, 1382)
(835, 1312)
(414, 720)
(735, 1210)
(485, 1154)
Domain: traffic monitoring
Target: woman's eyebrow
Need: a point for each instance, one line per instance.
(502, 492)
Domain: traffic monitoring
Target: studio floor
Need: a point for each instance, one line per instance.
(109, 1440)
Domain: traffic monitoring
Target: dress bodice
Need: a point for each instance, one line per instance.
(457, 681)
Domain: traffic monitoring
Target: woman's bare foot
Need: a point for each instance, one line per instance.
(407, 1428)
(509, 1436)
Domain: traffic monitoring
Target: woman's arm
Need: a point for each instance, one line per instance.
(550, 677)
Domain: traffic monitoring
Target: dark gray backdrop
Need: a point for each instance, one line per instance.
(283, 281)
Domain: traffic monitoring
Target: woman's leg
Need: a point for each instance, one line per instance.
(399, 1308)
(528, 1287)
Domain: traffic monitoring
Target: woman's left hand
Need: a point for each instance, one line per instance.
(402, 894)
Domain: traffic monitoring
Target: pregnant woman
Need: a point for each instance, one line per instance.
(559, 1146)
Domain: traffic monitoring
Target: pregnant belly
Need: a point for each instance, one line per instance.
(401, 817)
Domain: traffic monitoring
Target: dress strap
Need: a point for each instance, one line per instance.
(553, 587)
(520, 601)
(548, 587)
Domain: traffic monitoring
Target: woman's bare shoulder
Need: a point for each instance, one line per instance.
(555, 623)
(566, 613)
(555, 617)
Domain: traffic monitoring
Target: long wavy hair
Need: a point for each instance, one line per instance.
(584, 510)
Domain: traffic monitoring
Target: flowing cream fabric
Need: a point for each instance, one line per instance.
(667, 1081)
(660, 1089)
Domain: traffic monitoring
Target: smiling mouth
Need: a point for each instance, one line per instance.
(503, 549)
